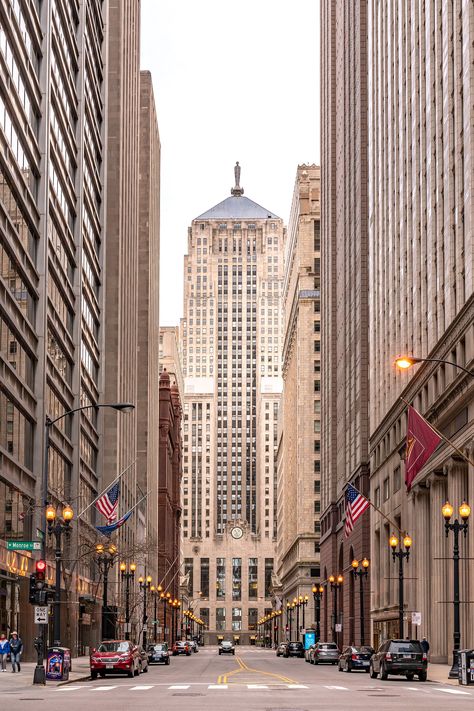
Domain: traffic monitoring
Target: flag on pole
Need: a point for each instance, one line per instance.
(356, 504)
(110, 528)
(107, 504)
(422, 441)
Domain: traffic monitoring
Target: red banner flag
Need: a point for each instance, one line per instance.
(422, 441)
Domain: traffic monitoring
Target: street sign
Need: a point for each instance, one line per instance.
(416, 618)
(41, 615)
(338, 627)
(23, 546)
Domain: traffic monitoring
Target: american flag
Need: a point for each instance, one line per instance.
(356, 504)
(108, 502)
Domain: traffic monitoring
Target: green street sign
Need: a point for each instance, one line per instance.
(23, 545)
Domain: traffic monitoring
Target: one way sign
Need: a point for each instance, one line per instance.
(41, 615)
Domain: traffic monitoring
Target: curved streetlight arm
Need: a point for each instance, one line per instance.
(120, 406)
(416, 359)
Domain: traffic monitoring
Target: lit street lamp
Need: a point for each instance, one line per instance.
(335, 582)
(144, 587)
(127, 576)
(361, 573)
(106, 557)
(401, 555)
(57, 527)
(406, 362)
(464, 512)
(317, 591)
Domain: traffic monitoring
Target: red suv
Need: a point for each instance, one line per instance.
(115, 657)
(182, 647)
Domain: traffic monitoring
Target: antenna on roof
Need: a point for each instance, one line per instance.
(237, 190)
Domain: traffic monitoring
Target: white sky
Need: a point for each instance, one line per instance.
(233, 80)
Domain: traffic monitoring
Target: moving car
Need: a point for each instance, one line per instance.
(353, 658)
(307, 653)
(115, 657)
(181, 647)
(403, 657)
(226, 648)
(324, 653)
(193, 644)
(158, 653)
(294, 649)
(281, 649)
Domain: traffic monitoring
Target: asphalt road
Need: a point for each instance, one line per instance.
(253, 679)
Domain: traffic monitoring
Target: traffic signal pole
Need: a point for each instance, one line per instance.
(38, 596)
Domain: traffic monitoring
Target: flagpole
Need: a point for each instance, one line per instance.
(440, 434)
(392, 523)
(117, 478)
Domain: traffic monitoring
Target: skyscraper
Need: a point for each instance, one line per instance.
(231, 345)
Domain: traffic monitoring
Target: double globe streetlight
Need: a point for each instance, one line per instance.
(361, 571)
(317, 591)
(336, 582)
(401, 555)
(456, 527)
(56, 527)
(106, 556)
(127, 574)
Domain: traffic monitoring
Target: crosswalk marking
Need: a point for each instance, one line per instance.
(337, 688)
(297, 686)
(454, 691)
(102, 688)
(217, 686)
(257, 686)
(68, 688)
(179, 686)
(141, 688)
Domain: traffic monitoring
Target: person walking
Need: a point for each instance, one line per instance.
(425, 645)
(16, 647)
(4, 650)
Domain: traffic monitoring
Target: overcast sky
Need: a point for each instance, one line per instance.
(232, 81)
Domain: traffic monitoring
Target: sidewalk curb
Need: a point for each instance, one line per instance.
(73, 681)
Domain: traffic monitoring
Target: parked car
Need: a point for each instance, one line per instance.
(403, 657)
(193, 644)
(353, 658)
(281, 649)
(294, 649)
(226, 648)
(115, 657)
(158, 653)
(182, 647)
(324, 653)
(307, 653)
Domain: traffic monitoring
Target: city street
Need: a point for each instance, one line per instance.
(253, 679)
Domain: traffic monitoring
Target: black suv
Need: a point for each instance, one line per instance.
(294, 649)
(401, 657)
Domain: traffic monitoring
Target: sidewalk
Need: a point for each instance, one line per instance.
(23, 680)
(439, 673)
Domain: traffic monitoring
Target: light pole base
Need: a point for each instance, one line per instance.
(39, 676)
(454, 671)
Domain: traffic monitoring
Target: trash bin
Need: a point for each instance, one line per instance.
(466, 666)
(58, 663)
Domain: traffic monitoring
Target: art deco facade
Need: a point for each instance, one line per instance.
(344, 299)
(231, 345)
(421, 251)
(299, 479)
(52, 135)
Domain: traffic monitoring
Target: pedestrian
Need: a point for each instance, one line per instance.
(16, 647)
(4, 650)
(425, 645)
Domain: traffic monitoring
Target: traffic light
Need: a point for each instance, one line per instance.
(40, 568)
(32, 596)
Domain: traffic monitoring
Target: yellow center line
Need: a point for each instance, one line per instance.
(222, 679)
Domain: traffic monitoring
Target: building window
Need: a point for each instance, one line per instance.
(236, 578)
(253, 617)
(220, 619)
(204, 577)
(204, 615)
(236, 619)
(268, 576)
(189, 568)
(220, 578)
(253, 578)
(386, 489)
(397, 479)
(377, 496)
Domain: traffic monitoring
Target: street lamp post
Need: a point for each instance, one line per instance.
(335, 583)
(317, 591)
(405, 362)
(164, 600)
(401, 555)
(145, 585)
(105, 560)
(456, 527)
(303, 603)
(297, 606)
(57, 527)
(361, 573)
(127, 576)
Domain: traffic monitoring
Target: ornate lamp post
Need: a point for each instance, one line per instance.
(456, 527)
(127, 575)
(303, 601)
(361, 573)
(401, 555)
(106, 556)
(56, 528)
(335, 583)
(164, 599)
(317, 591)
(144, 586)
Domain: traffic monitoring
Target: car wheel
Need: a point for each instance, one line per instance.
(372, 672)
(422, 676)
(130, 674)
(136, 670)
(233, 652)
(367, 671)
(333, 663)
(93, 675)
(188, 654)
(167, 662)
(383, 672)
(410, 676)
(102, 674)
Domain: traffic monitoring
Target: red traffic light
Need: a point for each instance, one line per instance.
(40, 566)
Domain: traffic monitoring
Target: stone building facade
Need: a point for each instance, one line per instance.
(421, 259)
(299, 477)
(231, 345)
(344, 299)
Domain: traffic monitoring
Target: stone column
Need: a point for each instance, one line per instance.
(421, 568)
(437, 551)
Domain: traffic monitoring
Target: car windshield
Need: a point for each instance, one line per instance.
(408, 647)
(226, 644)
(181, 644)
(114, 647)
(158, 648)
(295, 645)
(328, 646)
